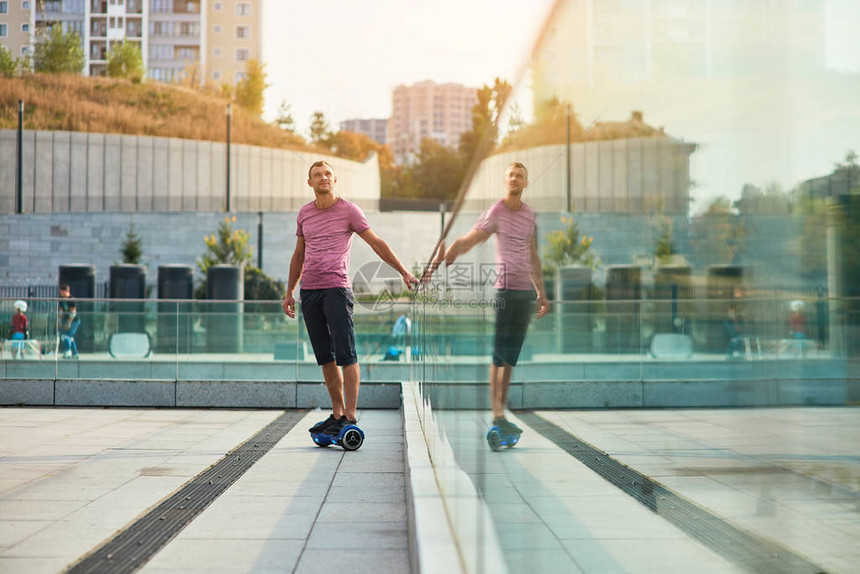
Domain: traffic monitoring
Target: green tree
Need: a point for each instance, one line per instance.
(9, 66)
(549, 126)
(261, 287)
(230, 246)
(486, 114)
(57, 52)
(850, 169)
(438, 171)
(350, 145)
(227, 246)
(249, 91)
(515, 121)
(716, 235)
(664, 246)
(320, 133)
(131, 248)
(771, 200)
(284, 118)
(125, 61)
(568, 246)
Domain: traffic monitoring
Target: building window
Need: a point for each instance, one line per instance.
(25, 50)
(216, 75)
(2, 30)
(217, 52)
(243, 31)
(238, 76)
(25, 27)
(4, 7)
(242, 54)
(217, 28)
(218, 9)
(243, 9)
(25, 5)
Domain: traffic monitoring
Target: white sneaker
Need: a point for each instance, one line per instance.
(67, 355)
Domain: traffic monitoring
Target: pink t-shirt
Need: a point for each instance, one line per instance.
(514, 231)
(328, 239)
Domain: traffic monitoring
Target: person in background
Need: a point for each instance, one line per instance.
(797, 322)
(18, 331)
(67, 323)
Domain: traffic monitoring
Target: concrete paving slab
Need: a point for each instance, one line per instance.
(300, 505)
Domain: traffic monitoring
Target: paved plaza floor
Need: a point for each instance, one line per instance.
(725, 490)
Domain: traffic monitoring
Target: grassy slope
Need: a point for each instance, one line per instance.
(103, 105)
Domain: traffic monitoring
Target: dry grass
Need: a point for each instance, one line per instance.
(103, 105)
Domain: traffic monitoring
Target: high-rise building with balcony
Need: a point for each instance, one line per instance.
(211, 39)
(441, 112)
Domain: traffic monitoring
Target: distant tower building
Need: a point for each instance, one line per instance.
(214, 38)
(373, 128)
(428, 110)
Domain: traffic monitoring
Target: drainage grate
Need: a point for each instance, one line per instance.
(133, 546)
(752, 552)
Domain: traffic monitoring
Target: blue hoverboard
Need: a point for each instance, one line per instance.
(350, 437)
(496, 439)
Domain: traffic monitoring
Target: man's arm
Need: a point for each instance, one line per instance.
(462, 245)
(385, 253)
(297, 264)
(537, 280)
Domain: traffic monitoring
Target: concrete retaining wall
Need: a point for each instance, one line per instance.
(89, 172)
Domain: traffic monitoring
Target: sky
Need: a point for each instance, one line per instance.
(343, 57)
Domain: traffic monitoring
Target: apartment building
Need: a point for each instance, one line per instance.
(211, 39)
(234, 35)
(374, 128)
(16, 25)
(428, 110)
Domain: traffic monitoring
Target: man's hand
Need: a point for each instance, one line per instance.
(290, 306)
(410, 280)
(542, 305)
(438, 257)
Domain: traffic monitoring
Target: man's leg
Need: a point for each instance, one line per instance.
(352, 380)
(500, 382)
(334, 383)
(338, 309)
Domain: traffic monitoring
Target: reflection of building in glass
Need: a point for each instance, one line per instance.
(840, 182)
(765, 86)
(608, 173)
(607, 42)
(216, 37)
(441, 112)
(373, 128)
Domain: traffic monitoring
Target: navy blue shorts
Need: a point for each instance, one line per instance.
(328, 318)
(513, 314)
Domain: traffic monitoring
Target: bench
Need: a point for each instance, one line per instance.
(671, 346)
(130, 345)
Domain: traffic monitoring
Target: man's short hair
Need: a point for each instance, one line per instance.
(65, 287)
(319, 163)
(518, 165)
